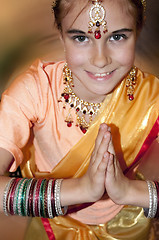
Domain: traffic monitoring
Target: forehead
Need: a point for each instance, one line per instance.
(118, 12)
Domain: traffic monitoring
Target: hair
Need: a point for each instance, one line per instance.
(62, 8)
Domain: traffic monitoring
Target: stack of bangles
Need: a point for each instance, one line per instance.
(153, 210)
(32, 197)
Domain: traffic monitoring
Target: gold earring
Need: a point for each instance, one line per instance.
(130, 83)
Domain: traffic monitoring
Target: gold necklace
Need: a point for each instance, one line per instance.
(82, 108)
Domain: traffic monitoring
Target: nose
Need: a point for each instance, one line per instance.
(100, 56)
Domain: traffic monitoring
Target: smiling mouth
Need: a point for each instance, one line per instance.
(101, 76)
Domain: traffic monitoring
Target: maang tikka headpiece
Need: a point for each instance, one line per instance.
(97, 15)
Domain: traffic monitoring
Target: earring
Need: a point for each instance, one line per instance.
(130, 83)
(97, 14)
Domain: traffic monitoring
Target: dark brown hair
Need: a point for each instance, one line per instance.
(62, 8)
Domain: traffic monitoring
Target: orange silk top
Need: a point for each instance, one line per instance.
(30, 109)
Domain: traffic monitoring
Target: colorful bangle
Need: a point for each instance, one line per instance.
(30, 200)
(31, 197)
(53, 198)
(11, 197)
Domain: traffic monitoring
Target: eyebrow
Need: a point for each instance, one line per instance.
(123, 30)
(73, 31)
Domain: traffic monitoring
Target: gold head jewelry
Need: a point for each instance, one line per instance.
(97, 15)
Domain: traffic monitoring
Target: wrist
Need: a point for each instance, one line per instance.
(73, 191)
(137, 194)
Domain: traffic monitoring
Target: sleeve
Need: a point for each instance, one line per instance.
(23, 105)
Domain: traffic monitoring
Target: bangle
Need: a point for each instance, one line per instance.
(6, 194)
(152, 210)
(49, 207)
(157, 188)
(31, 197)
(155, 200)
(57, 192)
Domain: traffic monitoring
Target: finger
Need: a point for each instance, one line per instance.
(103, 164)
(111, 147)
(110, 166)
(101, 132)
(102, 149)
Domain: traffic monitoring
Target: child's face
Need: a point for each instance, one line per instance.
(98, 65)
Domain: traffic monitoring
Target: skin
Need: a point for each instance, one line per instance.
(86, 56)
(113, 54)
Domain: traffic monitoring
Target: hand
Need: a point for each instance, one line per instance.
(93, 181)
(116, 184)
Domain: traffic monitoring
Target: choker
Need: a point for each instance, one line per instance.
(84, 110)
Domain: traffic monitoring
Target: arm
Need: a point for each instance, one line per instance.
(134, 192)
(88, 188)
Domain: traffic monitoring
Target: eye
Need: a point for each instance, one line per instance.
(80, 38)
(118, 37)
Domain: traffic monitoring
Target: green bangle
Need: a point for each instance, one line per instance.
(23, 197)
(41, 202)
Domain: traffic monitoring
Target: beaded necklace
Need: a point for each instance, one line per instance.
(82, 108)
(85, 110)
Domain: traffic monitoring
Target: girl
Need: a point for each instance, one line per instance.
(56, 109)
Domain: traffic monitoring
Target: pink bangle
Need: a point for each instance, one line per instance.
(30, 200)
(53, 199)
(45, 201)
(11, 197)
(36, 199)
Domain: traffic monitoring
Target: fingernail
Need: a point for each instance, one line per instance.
(105, 154)
(106, 135)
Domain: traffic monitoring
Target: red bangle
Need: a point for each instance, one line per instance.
(45, 200)
(36, 210)
(12, 193)
(30, 200)
(53, 199)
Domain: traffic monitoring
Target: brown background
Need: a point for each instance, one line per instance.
(27, 31)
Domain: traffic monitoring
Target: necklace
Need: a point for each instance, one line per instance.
(84, 110)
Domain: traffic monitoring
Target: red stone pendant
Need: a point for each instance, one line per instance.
(131, 97)
(84, 130)
(69, 124)
(97, 34)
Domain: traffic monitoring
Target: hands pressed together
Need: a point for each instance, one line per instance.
(104, 172)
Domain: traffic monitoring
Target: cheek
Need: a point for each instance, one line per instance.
(126, 55)
(75, 56)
